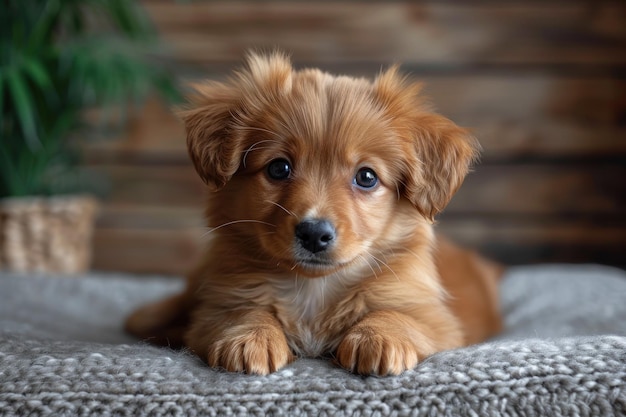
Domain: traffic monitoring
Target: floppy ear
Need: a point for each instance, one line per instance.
(214, 153)
(218, 114)
(440, 152)
(443, 153)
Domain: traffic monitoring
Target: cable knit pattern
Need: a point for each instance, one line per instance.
(62, 352)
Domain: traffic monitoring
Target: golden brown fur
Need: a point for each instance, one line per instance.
(373, 298)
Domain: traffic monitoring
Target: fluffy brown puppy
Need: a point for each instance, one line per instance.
(324, 190)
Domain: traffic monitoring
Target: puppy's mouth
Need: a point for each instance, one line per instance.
(314, 266)
(316, 263)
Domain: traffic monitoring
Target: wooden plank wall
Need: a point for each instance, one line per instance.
(541, 83)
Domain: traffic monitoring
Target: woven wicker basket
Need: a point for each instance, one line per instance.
(46, 234)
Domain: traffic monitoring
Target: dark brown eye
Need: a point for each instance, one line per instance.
(366, 178)
(279, 169)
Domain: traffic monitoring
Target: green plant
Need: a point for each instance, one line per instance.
(57, 59)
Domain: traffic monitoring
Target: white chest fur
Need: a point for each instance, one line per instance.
(302, 304)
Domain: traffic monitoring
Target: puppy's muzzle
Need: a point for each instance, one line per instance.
(315, 235)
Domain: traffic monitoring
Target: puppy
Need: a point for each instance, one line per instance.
(324, 190)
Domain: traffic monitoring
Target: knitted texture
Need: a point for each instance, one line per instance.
(62, 352)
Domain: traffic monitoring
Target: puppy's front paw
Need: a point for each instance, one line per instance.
(386, 343)
(368, 351)
(259, 350)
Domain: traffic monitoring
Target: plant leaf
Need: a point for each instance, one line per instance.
(1, 101)
(49, 16)
(24, 108)
(37, 72)
(130, 19)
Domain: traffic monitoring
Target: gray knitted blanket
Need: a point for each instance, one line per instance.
(62, 352)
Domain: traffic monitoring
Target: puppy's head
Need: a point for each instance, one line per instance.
(316, 172)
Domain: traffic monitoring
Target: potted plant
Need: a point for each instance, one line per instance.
(58, 59)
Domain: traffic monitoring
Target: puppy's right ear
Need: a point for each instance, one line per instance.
(213, 150)
(217, 113)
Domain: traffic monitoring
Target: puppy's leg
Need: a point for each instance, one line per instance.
(250, 341)
(388, 343)
(162, 323)
(471, 282)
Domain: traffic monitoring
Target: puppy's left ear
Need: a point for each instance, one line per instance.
(440, 152)
(444, 153)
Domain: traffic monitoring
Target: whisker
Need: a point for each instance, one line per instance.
(247, 151)
(236, 222)
(279, 206)
(369, 265)
(376, 261)
(340, 278)
(298, 290)
(412, 253)
(388, 267)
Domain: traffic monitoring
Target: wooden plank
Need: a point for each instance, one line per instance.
(155, 185)
(148, 239)
(503, 141)
(152, 133)
(170, 252)
(441, 33)
(471, 99)
(525, 241)
(529, 231)
(150, 217)
(543, 189)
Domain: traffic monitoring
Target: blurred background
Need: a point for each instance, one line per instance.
(542, 84)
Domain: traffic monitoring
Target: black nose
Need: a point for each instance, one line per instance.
(315, 235)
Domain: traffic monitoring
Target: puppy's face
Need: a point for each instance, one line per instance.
(314, 173)
(320, 172)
